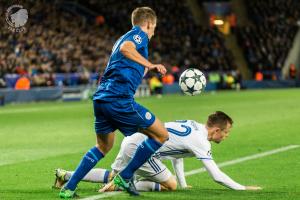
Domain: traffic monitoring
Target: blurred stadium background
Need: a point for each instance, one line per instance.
(246, 49)
(66, 45)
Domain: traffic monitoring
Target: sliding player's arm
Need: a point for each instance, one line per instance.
(222, 178)
(178, 167)
(128, 49)
(201, 148)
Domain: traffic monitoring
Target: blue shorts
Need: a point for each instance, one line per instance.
(125, 115)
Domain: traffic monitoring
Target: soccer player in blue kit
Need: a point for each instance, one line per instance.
(115, 108)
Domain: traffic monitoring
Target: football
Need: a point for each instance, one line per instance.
(192, 81)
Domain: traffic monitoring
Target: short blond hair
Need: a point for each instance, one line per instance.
(141, 15)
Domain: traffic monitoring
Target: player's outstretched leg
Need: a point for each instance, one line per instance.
(157, 182)
(157, 136)
(97, 175)
(90, 159)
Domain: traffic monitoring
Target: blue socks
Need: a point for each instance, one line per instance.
(142, 154)
(89, 160)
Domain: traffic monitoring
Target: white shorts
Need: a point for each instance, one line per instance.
(152, 170)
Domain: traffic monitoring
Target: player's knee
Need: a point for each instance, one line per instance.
(170, 185)
(163, 137)
(173, 187)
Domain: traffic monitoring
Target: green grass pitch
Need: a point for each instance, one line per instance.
(36, 138)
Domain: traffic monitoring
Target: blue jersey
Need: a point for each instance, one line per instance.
(122, 76)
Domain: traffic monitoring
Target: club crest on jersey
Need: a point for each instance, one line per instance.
(209, 153)
(148, 116)
(137, 39)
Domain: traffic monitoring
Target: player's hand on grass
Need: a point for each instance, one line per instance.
(187, 187)
(108, 187)
(159, 68)
(253, 188)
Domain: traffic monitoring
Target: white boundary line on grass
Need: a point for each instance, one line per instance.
(223, 164)
(246, 158)
(101, 196)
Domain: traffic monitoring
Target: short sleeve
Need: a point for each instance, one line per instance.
(139, 39)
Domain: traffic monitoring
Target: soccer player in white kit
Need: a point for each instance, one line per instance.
(187, 138)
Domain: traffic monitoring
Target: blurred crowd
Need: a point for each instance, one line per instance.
(59, 41)
(55, 42)
(178, 41)
(266, 43)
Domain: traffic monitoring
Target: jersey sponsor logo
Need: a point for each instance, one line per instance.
(148, 116)
(137, 39)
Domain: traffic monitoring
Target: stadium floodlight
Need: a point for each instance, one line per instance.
(218, 22)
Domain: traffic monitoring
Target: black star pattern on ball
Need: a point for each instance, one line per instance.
(191, 90)
(197, 78)
(183, 79)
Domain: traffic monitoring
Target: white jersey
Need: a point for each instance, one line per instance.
(187, 138)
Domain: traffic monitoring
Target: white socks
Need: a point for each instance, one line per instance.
(95, 176)
(98, 175)
(147, 186)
